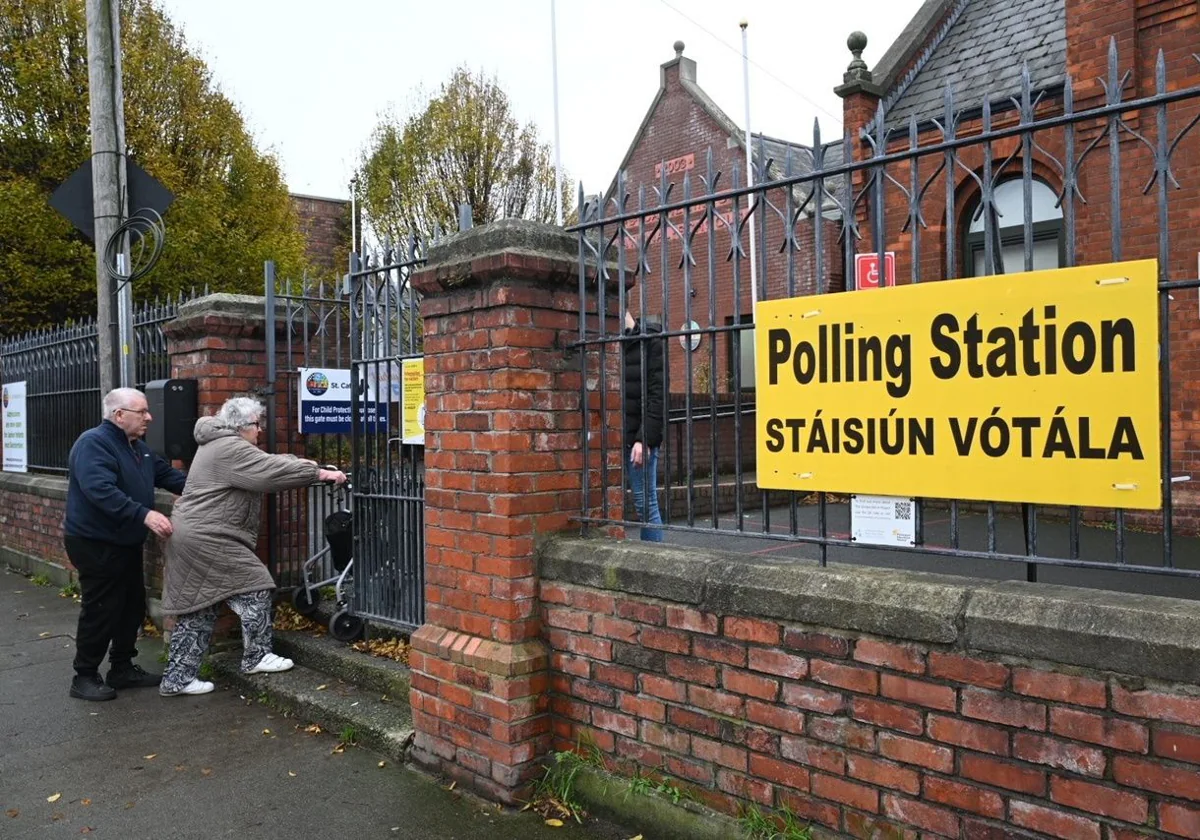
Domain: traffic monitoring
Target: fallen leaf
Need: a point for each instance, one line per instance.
(58, 817)
(554, 823)
(452, 786)
(12, 813)
(383, 764)
(150, 757)
(43, 635)
(54, 797)
(266, 731)
(322, 687)
(180, 767)
(128, 805)
(87, 829)
(290, 773)
(313, 729)
(339, 749)
(639, 837)
(85, 802)
(206, 772)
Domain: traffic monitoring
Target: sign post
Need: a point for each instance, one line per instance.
(15, 428)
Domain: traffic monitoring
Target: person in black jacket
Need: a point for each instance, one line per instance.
(645, 416)
(110, 512)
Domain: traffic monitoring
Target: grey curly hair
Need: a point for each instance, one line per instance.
(239, 412)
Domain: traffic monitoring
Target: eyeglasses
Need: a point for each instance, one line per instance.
(135, 410)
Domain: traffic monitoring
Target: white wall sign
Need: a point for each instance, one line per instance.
(883, 520)
(690, 342)
(15, 428)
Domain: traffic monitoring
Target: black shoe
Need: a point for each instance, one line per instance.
(91, 687)
(132, 676)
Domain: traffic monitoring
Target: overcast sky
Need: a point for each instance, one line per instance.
(311, 77)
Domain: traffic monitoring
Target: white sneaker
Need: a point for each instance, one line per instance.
(194, 687)
(271, 664)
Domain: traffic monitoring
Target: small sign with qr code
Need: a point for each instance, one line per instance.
(883, 520)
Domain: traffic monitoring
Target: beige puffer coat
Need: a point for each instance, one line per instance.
(210, 556)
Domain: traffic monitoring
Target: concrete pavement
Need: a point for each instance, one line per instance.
(199, 767)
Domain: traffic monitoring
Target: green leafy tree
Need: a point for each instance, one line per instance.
(464, 145)
(231, 211)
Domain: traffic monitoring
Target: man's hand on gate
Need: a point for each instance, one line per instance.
(159, 524)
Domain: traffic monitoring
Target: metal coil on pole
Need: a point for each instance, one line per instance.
(142, 235)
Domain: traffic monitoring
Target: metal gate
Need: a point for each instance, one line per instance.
(388, 499)
(312, 329)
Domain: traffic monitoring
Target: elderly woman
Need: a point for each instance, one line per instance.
(210, 557)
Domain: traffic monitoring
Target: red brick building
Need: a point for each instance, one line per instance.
(326, 228)
(978, 48)
(682, 128)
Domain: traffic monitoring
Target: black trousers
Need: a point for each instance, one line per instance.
(114, 602)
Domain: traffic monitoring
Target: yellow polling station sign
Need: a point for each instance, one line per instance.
(1036, 387)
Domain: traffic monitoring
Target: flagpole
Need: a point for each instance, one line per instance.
(749, 164)
(558, 203)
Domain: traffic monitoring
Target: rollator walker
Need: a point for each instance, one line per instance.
(339, 549)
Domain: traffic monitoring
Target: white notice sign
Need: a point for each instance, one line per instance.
(883, 520)
(16, 442)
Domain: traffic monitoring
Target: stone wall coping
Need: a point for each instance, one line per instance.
(223, 314)
(514, 249)
(1138, 635)
(55, 487)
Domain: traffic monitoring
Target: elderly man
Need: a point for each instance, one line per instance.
(110, 510)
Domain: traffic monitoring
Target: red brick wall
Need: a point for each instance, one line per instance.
(31, 521)
(874, 737)
(32, 508)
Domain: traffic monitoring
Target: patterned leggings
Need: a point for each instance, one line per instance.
(193, 632)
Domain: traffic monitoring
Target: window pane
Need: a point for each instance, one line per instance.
(1045, 255)
(747, 344)
(1010, 205)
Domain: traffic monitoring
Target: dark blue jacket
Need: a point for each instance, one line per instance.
(111, 486)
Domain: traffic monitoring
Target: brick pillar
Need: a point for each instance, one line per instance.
(503, 471)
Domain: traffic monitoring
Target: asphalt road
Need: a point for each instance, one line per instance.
(199, 767)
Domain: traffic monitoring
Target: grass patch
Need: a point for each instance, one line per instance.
(349, 736)
(40, 580)
(206, 671)
(71, 590)
(554, 795)
(663, 786)
(785, 826)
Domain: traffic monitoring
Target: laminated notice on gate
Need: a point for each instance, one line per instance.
(324, 403)
(1038, 387)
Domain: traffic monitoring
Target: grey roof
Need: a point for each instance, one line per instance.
(979, 52)
(802, 162)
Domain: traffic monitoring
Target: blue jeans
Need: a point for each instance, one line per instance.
(643, 481)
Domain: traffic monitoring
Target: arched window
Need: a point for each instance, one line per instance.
(1008, 243)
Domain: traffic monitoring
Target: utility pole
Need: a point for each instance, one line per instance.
(108, 198)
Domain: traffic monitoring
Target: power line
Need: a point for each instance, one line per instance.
(738, 52)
